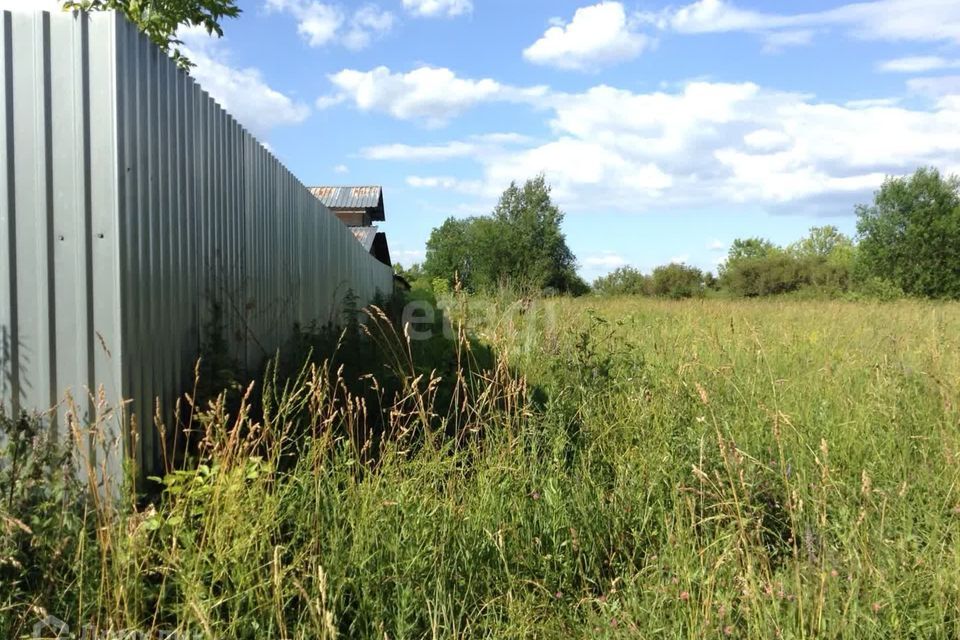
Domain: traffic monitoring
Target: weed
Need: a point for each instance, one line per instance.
(705, 468)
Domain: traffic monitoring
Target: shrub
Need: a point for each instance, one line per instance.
(878, 289)
(829, 275)
(781, 273)
(677, 281)
(669, 281)
(439, 287)
(762, 276)
(625, 281)
(44, 524)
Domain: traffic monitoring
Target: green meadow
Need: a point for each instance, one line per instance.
(561, 468)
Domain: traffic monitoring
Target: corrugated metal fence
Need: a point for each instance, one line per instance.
(130, 203)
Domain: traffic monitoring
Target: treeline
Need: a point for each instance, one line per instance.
(668, 281)
(823, 261)
(907, 243)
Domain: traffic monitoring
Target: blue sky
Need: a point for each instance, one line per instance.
(667, 130)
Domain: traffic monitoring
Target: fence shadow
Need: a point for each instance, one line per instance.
(370, 380)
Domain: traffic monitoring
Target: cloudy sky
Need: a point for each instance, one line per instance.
(666, 130)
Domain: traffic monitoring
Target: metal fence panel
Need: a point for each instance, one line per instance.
(131, 204)
(8, 248)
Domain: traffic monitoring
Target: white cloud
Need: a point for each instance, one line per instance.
(900, 20)
(869, 103)
(30, 5)
(341, 169)
(327, 102)
(317, 22)
(918, 64)
(475, 146)
(780, 40)
(599, 264)
(469, 187)
(413, 153)
(683, 258)
(241, 91)
(935, 87)
(438, 8)
(888, 20)
(578, 167)
(607, 259)
(502, 138)
(766, 140)
(712, 16)
(709, 144)
(716, 245)
(432, 182)
(322, 23)
(743, 143)
(598, 35)
(366, 24)
(430, 94)
(409, 256)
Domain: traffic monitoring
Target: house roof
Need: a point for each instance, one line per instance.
(365, 236)
(369, 199)
(374, 241)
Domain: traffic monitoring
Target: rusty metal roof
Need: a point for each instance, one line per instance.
(352, 198)
(365, 236)
(374, 241)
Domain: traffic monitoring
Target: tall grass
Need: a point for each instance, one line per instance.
(622, 468)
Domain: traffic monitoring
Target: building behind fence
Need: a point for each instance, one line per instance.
(131, 204)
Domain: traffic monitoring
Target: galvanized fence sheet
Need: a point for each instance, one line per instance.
(134, 211)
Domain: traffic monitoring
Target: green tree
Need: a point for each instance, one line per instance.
(710, 281)
(677, 281)
(823, 242)
(448, 253)
(531, 245)
(910, 235)
(411, 273)
(826, 258)
(160, 19)
(487, 255)
(823, 260)
(520, 244)
(744, 248)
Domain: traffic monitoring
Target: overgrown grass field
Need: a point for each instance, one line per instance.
(620, 468)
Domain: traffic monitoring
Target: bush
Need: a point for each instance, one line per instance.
(625, 281)
(832, 276)
(677, 281)
(669, 281)
(574, 285)
(822, 263)
(47, 537)
(877, 289)
(763, 276)
(781, 273)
